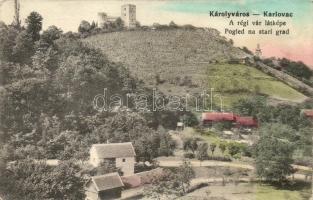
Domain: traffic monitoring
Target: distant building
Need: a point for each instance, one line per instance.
(246, 122)
(258, 51)
(121, 154)
(128, 15)
(214, 117)
(104, 19)
(180, 126)
(104, 187)
(210, 118)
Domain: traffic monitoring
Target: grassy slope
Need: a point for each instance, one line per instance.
(175, 54)
(237, 81)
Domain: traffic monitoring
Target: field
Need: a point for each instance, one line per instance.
(248, 191)
(189, 61)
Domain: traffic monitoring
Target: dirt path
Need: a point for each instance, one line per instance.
(167, 162)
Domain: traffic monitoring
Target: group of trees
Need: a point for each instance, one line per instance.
(27, 179)
(200, 149)
(273, 153)
(48, 82)
(297, 69)
(85, 28)
(284, 129)
(172, 184)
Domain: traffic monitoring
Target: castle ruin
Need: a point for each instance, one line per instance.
(128, 15)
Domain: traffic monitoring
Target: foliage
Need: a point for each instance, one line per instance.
(34, 25)
(184, 174)
(233, 148)
(172, 183)
(220, 126)
(274, 155)
(31, 180)
(202, 151)
(165, 186)
(222, 146)
(212, 147)
(190, 143)
(189, 155)
(297, 69)
(84, 27)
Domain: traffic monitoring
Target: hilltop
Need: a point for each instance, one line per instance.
(180, 61)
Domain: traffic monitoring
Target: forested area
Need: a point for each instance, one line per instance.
(48, 82)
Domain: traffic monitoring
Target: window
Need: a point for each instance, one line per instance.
(123, 160)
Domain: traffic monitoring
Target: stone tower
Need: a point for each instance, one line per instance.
(258, 51)
(128, 15)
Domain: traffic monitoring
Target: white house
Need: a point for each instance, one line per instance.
(122, 154)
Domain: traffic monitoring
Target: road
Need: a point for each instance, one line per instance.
(211, 163)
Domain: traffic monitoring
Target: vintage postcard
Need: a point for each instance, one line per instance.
(156, 99)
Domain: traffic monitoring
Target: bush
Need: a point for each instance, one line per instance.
(189, 155)
(234, 148)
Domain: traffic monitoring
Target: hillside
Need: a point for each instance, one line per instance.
(181, 61)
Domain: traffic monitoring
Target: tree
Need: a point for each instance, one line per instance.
(202, 151)
(34, 25)
(233, 148)
(119, 24)
(172, 25)
(50, 35)
(190, 144)
(7, 42)
(184, 174)
(222, 147)
(273, 158)
(33, 180)
(212, 147)
(24, 48)
(166, 145)
(84, 27)
(163, 187)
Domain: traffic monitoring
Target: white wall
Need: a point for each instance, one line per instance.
(127, 167)
(94, 160)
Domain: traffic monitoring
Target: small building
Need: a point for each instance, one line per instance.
(121, 154)
(128, 15)
(104, 187)
(180, 126)
(246, 122)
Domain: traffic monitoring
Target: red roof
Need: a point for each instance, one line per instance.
(247, 121)
(218, 116)
(132, 181)
(308, 113)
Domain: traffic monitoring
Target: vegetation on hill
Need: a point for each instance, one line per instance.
(179, 61)
(296, 69)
